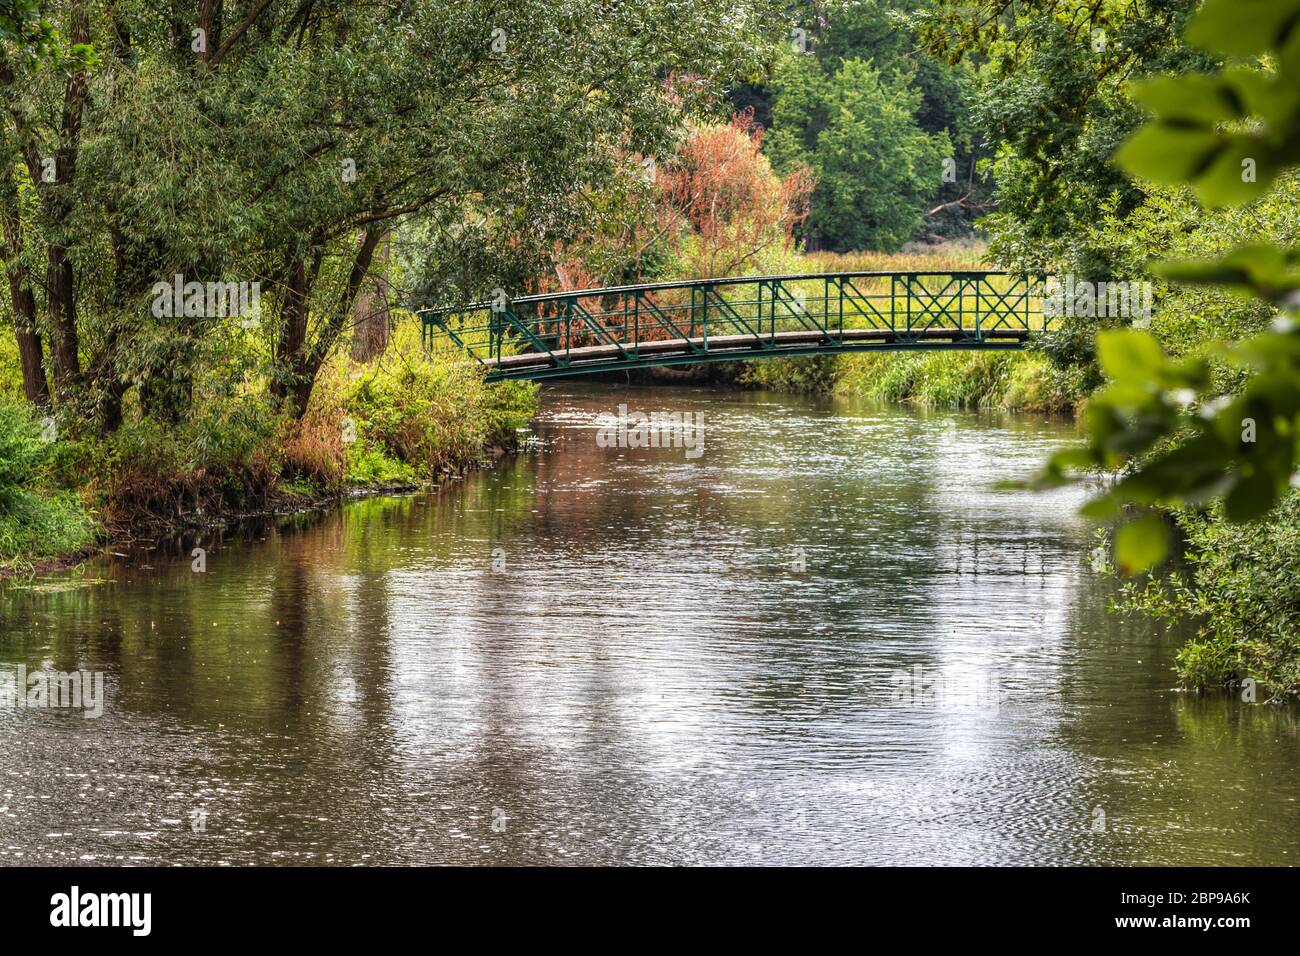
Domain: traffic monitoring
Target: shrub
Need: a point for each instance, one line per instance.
(368, 466)
(225, 455)
(429, 413)
(34, 522)
(314, 451)
(22, 450)
(1242, 598)
(35, 526)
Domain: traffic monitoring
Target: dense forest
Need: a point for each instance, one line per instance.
(218, 220)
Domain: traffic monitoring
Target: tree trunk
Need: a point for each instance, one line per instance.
(30, 352)
(371, 314)
(291, 344)
(301, 360)
(110, 405)
(62, 285)
(63, 320)
(21, 298)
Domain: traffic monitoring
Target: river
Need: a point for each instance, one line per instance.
(820, 636)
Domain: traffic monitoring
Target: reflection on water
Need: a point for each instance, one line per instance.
(826, 639)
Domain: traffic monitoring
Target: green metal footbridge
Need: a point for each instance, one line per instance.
(721, 320)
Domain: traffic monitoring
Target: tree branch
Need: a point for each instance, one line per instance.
(238, 32)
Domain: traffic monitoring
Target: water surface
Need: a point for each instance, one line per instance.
(827, 639)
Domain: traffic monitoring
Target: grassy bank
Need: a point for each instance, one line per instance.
(38, 520)
(407, 418)
(1014, 381)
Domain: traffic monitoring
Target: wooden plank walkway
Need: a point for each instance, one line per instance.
(755, 345)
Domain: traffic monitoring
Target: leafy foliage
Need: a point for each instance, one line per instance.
(35, 522)
(429, 415)
(856, 129)
(22, 26)
(283, 144)
(713, 207)
(225, 457)
(1243, 593)
(884, 32)
(724, 206)
(1052, 98)
(1243, 446)
(22, 450)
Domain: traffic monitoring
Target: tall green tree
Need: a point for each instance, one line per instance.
(279, 143)
(1052, 101)
(856, 129)
(828, 33)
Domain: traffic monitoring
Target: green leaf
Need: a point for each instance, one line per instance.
(1102, 509)
(1242, 170)
(1168, 154)
(1141, 544)
(1129, 355)
(1198, 98)
(1251, 497)
(1072, 458)
(1258, 269)
(1272, 98)
(1244, 27)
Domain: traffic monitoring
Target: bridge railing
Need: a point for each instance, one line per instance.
(614, 327)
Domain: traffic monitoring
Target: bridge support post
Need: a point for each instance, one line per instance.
(909, 305)
(961, 305)
(704, 315)
(893, 303)
(840, 287)
(568, 330)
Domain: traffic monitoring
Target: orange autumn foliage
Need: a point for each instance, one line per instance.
(712, 209)
(715, 208)
(722, 188)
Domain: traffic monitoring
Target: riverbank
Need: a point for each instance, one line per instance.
(1005, 381)
(1028, 381)
(405, 421)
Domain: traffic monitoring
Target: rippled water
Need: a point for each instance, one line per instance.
(827, 639)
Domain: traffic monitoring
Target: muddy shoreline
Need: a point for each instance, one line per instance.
(155, 528)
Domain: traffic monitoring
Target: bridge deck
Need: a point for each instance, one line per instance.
(755, 346)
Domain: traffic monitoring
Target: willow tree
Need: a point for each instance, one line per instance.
(280, 143)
